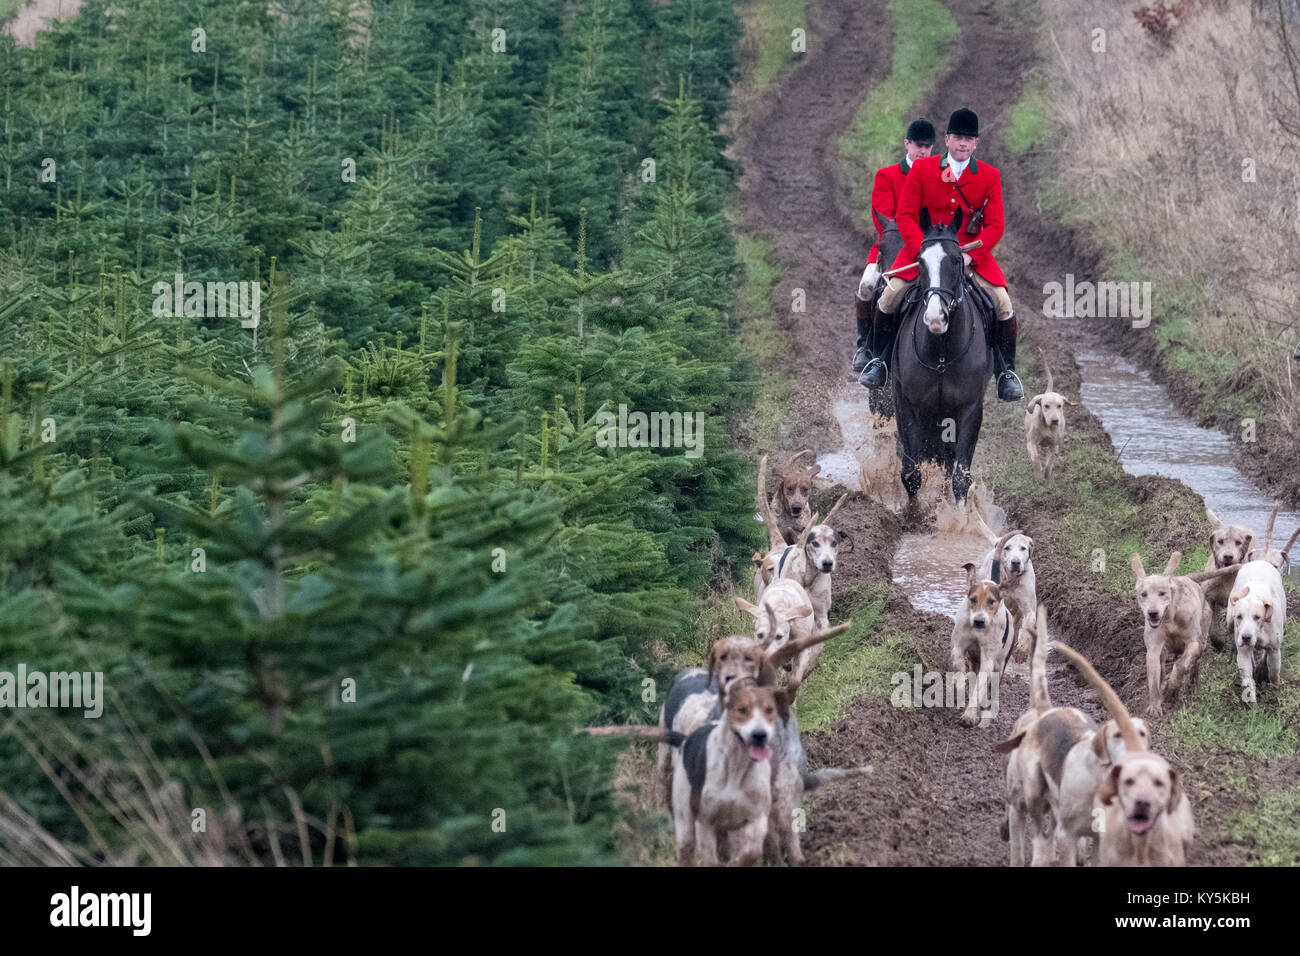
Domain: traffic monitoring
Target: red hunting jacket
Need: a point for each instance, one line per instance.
(886, 193)
(925, 188)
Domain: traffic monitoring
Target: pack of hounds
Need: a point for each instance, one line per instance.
(730, 763)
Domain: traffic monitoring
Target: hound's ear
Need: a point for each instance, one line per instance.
(1174, 560)
(757, 558)
(1099, 748)
(1034, 404)
(727, 693)
(1249, 538)
(1137, 566)
(746, 606)
(766, 673)
(802, 609)
(1031, 547)
(1238, 595)
(1175, 789)
(955, 225)
(814, 470)
(970, 574)
(783, 703)
(1108, 786)
(923, 219)
(1268, 612)
(1010, 744)
(712, 665)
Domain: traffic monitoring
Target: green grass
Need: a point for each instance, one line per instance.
(1214, 719)
(1269, 828)
(1028, 123)
(772, 23)
(761, 339)
(923, 33)
(859, 662)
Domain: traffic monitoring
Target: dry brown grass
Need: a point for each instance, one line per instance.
(1156, 136)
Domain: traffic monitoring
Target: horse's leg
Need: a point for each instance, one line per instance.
(946, 450)
(968, 433)
(911, 449)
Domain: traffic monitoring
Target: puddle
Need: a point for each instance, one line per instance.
(928, 566)
(1154, 439)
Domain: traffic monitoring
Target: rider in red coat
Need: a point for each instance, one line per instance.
(942, 185)
(886, 192)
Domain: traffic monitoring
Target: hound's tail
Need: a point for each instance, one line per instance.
(814, 779)
(1290, 541)
(1200, 577)
(983, 527)
(1107, 694)
(774, 537)
(1268, 531)
(642, 731)
(1040, 698)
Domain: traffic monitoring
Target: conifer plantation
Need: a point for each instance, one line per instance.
(355, 571)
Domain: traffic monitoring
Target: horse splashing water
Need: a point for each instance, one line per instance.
(942, 362)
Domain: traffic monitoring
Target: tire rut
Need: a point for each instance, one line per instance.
(936, 796)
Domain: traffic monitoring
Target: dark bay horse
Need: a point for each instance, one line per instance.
(942, 363)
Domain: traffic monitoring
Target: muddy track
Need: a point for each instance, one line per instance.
(937, 793)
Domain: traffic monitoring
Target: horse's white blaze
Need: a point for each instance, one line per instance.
(935, 320)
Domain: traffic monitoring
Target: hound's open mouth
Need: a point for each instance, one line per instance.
(759, 752)
(1140, 824)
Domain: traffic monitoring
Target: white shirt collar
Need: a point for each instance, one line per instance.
(957, 168)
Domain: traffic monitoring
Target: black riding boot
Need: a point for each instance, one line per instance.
(1004, 345)
(876, 374)
(863, 354)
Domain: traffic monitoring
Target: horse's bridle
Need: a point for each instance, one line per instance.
(951, 301)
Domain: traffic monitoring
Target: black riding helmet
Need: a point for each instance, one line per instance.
(921, 132)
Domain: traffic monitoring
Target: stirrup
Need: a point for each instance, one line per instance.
(1014, 391)
(869, 378)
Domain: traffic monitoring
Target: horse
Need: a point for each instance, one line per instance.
(881, 400)
(942, 362)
